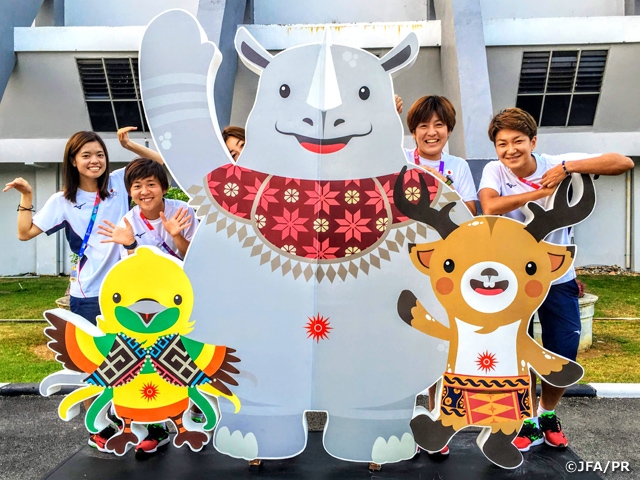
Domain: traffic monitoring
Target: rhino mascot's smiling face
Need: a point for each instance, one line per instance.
(330, 118)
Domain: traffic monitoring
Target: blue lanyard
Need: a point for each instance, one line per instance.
(87, 234)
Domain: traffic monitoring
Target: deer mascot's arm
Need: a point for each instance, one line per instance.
(554, 369)
(413, 312)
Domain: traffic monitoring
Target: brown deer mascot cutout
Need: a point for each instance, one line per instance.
(490, 274)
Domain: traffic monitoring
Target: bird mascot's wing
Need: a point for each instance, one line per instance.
(81, 348)
(78, 345)
(216, 362)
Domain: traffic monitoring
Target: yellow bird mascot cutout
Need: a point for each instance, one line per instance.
(138, 358)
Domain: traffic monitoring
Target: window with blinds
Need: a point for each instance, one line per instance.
(561, 88)
(112, 91)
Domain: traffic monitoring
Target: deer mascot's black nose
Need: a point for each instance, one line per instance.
(489, 272)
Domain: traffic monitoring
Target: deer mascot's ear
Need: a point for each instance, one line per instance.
(561, 258)
(421, 256)
(402, 55)
(252, 54)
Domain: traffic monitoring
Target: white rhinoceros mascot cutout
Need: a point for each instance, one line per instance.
(301, 254)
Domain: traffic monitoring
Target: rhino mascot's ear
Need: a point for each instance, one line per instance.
(402, 55)
(253, 55)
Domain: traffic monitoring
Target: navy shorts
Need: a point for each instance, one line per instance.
(560, 320)
(88, 308)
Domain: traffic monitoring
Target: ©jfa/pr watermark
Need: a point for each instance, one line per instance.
(590, 466)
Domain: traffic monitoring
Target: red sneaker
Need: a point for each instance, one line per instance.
(552, 430)
(157, 437)
(441, 453)
(99, 440)
(529, 436)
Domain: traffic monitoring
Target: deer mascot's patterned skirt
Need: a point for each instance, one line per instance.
(484, 401)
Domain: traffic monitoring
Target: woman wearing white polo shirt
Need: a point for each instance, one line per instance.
(89, 196)
(431, 120)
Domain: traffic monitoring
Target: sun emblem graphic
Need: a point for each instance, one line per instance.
(318, 327)
(149, 391)
(486, 361)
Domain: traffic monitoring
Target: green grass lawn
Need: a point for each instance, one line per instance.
(619, 295)
(28, 298)
(615, 353)
(614, 357)
(24, 356)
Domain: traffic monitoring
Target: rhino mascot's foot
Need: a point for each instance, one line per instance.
(378, 441)
(250, 437)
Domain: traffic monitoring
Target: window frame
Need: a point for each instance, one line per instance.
(111, 100)
(572, 93)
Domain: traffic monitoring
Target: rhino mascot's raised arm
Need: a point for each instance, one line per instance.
(301, 254)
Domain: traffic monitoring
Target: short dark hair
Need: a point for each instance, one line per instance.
(513, 119)
(233, 131)
(426, 107)
(141, 168)
(70, 174)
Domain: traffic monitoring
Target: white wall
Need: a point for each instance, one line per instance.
(619, 105)
(47, 254)
(504, 65)
(601, 238)
(43, 98)
(338, 11)
(24, 257)
(556, 142)
(550, 8)
(635, 237)
(116, 13)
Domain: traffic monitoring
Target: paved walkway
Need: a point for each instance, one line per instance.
(33, 440)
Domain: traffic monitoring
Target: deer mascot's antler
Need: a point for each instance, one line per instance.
(422, 211)
(561, 214)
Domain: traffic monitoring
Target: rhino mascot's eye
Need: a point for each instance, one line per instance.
(285, 91)
(364, 93)
(449, 266)
(531, 268)
(116, 298)
(177, 299)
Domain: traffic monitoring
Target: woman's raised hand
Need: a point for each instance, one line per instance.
(122, 235)
(20, 184)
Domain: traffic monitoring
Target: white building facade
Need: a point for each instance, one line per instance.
(70, 65)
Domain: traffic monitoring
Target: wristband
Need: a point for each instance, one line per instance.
(25, 209)
(133, 246)
(448, 181)
(564, 167)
